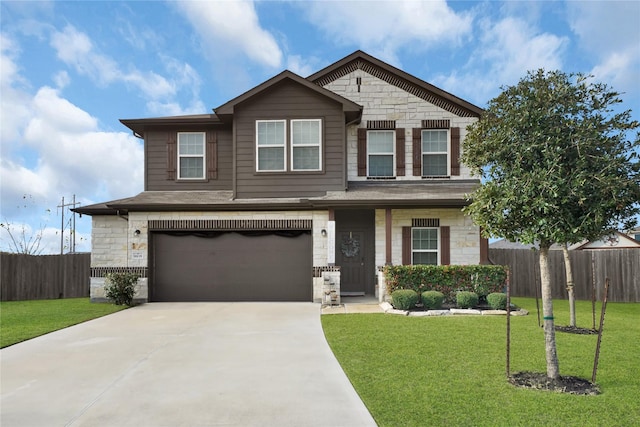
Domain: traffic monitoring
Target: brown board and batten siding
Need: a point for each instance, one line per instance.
(289, 100)
(158, 162)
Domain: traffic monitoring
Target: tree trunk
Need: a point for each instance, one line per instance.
(570, 285)
(553, 369)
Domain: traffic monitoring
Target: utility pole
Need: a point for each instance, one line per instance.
(72, 240)
(62, 205)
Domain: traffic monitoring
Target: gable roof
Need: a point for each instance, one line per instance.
(352, 110)
(394, 76)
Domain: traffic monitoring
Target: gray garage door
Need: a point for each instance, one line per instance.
(231, 266)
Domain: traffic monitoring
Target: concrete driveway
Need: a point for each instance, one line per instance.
(182, 364)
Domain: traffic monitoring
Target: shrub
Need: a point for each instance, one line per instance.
(432, 299)
(497, 300)
(466, 299)
(404, 299)
(121, 287)
(481, 279)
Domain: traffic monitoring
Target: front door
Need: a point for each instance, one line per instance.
(352, 263)
(355, 251)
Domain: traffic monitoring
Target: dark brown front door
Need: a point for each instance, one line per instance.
(355, 251)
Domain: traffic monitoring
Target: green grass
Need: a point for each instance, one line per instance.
(417, 371)
(23, 320)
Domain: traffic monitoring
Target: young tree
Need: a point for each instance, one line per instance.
(21, 238)
(557, 168)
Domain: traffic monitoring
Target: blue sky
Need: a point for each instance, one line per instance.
(70, 70)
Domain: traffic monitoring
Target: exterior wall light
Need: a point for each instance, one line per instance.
(324, 233)
(137, 232)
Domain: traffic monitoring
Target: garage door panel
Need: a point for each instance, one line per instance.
(231, 267)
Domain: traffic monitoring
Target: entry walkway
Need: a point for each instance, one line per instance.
(350, 305)
(182, 364)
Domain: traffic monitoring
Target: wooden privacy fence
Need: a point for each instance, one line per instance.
(621, 266)
(29, 277)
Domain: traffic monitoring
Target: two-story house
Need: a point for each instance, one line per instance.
(296, 181)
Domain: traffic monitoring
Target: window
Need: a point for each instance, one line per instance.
(435, 153)
(424, 245)
(380, 153)
(271, 140)
(305, 145)
(191, 153)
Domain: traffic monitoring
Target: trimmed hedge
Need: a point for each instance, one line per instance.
(432, 300)
(497, 300)
(404, 299)
(448, 279)
(466, 299)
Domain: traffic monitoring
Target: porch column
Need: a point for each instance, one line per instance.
(331, 238)
(387, 234)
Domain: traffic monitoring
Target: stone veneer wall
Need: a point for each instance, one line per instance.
(383, 101)
(464, 237)
(115, 244)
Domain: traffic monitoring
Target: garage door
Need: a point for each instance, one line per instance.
(231, 266)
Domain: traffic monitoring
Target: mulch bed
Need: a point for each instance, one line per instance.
(564, 384)
(576, 330)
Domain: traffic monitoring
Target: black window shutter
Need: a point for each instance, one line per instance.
(455, 151)
(362, 152)
(171, 156)
(400, 163)
(212, 155)
(406, 245)
(445, 246)
(417, 152)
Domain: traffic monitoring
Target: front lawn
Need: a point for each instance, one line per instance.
(417, 371)
(23, 320)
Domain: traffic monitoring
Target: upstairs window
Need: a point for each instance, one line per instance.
(435, 152)
(191, 155)
(306, 140)
(271, 142)
(424, 246)
(380, 153)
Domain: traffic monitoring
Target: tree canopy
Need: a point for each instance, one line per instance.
(556, 159)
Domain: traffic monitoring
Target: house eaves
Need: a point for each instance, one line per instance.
(360, 60)
(352, 111)
(433, 194)
(138, 126)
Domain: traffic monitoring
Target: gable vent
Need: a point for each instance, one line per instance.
(436, 124)
(425, 222)
(381, 124)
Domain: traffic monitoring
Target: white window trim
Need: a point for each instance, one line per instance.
(203, 156)
(319, 144)
(283, 146)
(426, 250)
(393, 153)
(448, 152)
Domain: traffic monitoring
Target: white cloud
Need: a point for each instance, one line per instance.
(226, 27)
(383, 27)
(506, 50)
(73, 157)
(609, 32)
(76, 49)
(300, 65)
(61, 79)
(14, 102)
